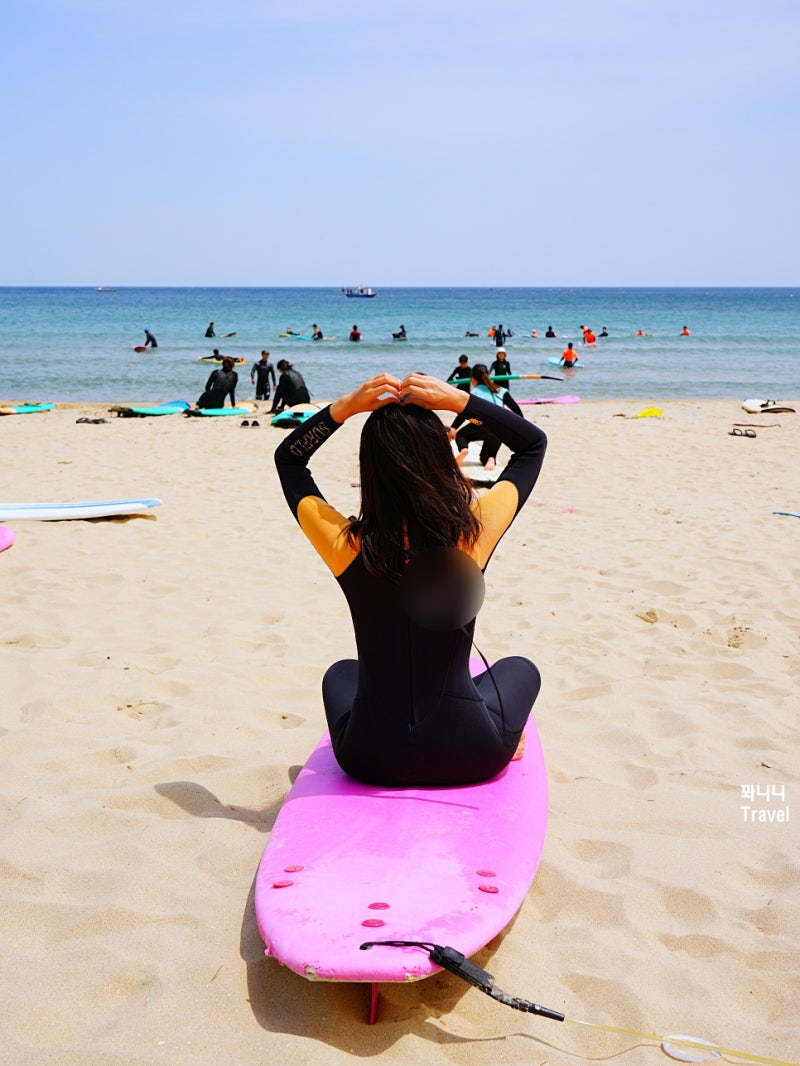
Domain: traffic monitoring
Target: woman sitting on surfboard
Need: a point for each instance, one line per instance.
(481, 385)
(407, 712)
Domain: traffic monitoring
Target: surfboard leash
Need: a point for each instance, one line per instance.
(674, 1046)
(458, 964)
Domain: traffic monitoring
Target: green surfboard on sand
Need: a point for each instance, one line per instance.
(211, 412)
(174, 407)
(27, 409)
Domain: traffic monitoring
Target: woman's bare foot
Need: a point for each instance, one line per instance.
(520, 749)
(462, 455)
(489, 464)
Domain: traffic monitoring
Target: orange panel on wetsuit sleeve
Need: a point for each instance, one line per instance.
(324, 527)
(495, 511)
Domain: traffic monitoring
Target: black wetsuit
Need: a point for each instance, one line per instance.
(460, 377)
(407, 711)
(221, 383)
(291, 389)
(262, 372)
(500, 366)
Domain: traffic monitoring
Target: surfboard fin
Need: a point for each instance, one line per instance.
(458, 964)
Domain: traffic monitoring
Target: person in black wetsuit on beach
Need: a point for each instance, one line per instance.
(460, 375)
(291, 388)
(221, 383)
(407, 712)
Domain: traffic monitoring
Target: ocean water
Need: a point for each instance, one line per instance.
(77, 343)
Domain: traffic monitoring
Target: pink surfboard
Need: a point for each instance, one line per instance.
(6, 537)
(552, 399)
(348, 863)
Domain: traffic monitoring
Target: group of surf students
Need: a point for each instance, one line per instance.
(290, 387)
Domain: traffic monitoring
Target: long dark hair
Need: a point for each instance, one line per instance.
(480, 373)
(410, 487)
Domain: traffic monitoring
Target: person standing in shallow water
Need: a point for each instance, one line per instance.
(260, 374)
(501, 366)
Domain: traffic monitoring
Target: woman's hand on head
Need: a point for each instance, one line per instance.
(374, 393)
(427, 391)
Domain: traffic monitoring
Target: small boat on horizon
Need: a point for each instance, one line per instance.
(362, 291)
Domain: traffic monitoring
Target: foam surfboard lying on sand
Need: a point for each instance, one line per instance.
(26, 408)
(56, 512)
(221, 412)
(552, 399)
(173, 407)
(7, 537)
(473, 470)
(293, 416)
(763, 407)
(348, 863)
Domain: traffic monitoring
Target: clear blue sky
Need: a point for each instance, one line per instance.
(402, 142)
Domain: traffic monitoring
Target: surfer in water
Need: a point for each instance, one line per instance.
(569, 357)
(407, 712)
(149, 340)
(291, 388)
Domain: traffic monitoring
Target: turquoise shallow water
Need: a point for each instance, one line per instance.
(77, 343)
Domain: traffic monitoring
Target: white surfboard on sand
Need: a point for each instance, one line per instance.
(57, 512)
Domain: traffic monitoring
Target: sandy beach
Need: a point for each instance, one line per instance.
(162, 686)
